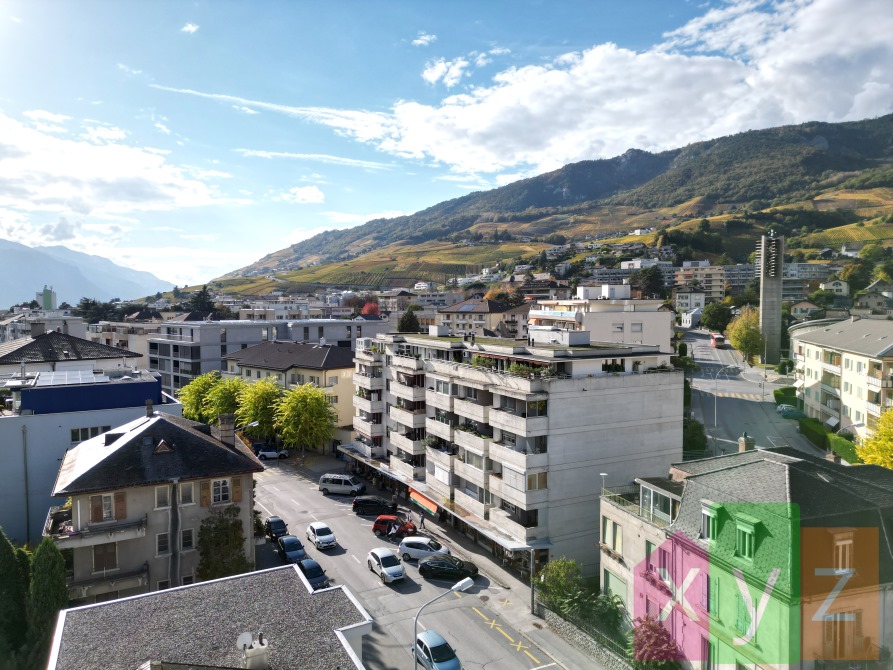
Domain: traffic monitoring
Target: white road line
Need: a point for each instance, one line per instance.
(273, 488)
(550, 665)
(295, 502)
(263, 508)
(314, 517)
(356, 559)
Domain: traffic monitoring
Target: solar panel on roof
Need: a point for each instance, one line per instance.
(69, 377)
(467, 308)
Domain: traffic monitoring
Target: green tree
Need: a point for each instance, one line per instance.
(682, 350)
(194, 393)
(12, 597)
(744, 333)
(651, 646)
(222, 398)
(872, 253)
(24, 558)
(305, 417)
(857, 274)
(257, 405)
(201, 301)
(221, 545)
(693, 436)
(649, 280)
(48, 593)
(716, 317)
(559, 579)
(878, 449)
(409, 322)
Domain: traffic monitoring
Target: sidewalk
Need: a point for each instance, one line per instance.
(512, 604)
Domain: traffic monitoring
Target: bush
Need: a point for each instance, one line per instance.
(787, 395)
(784, 366)
(815, 432)
(843, 448)
(693, 436)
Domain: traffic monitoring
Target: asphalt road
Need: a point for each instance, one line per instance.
(470, 621)
(729, 398)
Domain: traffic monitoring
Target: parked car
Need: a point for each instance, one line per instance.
(784, 408)
(291, 548)
(341, 484)
(373, 505)
(314, 573)
(274, 528)
(320, 535)
(385, 564)
(265, 451)
(793, 413)
(386, 522)
(435, 653)
(420, 547)
(447, 566)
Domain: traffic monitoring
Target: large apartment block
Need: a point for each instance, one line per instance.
(710, 278)
(512, 439)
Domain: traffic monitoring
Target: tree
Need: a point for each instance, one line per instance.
(878, 449)
(12, 597)
(559, 579)
(744, 333)
(651, 646)
(194, 393)
(222, 398)
(304, 417)
(704, 225)
(682, 350)
(716, 317)
(257, 405)
(47, 594)
(649, 280)
(201, 301)
(221, 545)
(693, 436)
(409, 322)
(857, 274)
(872, 253)
(371, 309)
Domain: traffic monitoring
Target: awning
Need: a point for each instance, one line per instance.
(798, 383)
(423, 501)
(832, 421)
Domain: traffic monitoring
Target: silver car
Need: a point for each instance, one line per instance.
(321, 536)
(419, 547)
(384, 562)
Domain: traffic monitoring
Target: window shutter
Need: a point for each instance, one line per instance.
(206, 494)
(237, 489)
(95, 509)
(120, 505)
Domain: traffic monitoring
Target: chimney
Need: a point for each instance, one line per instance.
(322, 341)
(831, 456)
(38, 328)
(150, 412)
(228, 429)
(746, 443)
(256, 656)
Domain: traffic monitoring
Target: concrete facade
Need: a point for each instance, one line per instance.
(771, 267)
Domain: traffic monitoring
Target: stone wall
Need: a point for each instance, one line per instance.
(580, 639)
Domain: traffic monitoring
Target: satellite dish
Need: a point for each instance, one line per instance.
(244, 640)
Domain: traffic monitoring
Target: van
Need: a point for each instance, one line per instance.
(343, 484)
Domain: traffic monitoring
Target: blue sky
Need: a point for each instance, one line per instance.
(192, 138)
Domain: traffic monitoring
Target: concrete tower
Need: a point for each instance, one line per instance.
(771, 256)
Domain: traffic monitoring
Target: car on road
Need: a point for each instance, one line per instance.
(274, 528)
(793, 413)
(435, 653)
(321, 535)
(385, 523)
(447, 566)
(384, 562)
(373, 505)
(784, 408)
(265, 451)
(314, 573)
(291, 548)
(420, 547)
(347, 485)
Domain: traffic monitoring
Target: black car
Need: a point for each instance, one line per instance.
(373, 505)
(274, 528)
(314, 573)
(447, 566)
(291, 548)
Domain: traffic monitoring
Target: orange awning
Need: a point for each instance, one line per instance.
(423, 501)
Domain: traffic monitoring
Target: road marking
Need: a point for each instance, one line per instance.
(263, 508)
(356, 559)
(273, 488)
(295, 502)
(504, 602)
(507, 636)
(457, 594)
(532, 657)
(542, 667)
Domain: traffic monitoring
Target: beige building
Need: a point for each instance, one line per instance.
(845, 372)
(710, 278)
(138, 494)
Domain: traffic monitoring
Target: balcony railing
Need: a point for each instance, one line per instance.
(442, 456)
(407, 444)
(473, 441)
(61, 530)
(408, 470)
(505, 454)
(408, 362)
(876, 380)
(141, 574)
(627, 499)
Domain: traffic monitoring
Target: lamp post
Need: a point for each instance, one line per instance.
(603, 475)
(464, 585)
(716, 389)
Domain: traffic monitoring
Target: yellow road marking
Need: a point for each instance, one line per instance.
(483, 616)
(518, 645)
(504, 602)
(456, 593)
(507, 636)
(531, 657)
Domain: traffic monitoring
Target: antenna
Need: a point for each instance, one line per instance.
(244, 640)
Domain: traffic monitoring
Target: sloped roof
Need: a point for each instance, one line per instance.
(130, 458)
(475, 306)
(868, 337)
(53, 347)
(282, 355)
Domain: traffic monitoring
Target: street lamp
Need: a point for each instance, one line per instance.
(716, 388)
(603, 475)
(464, 585)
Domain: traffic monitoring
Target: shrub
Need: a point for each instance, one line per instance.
(843, 448)
(693, 436)
(784, 366)
(815, 432)
(786, 395)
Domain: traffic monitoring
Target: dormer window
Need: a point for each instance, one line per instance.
(745, 536)
(709, 527)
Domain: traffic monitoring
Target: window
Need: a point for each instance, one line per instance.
(616, 327)
(708, 654)
(708, 523)
(162, 497)
(635, 327)
(220, 490)
(102, 508)
(186, 493)
(187, 540)
(612, 535)
(314, 380)
(742, 616)
(332, 399)
(188, 579)
(537, 481)
(105, 556)
(843, 553)
(333, 381)
(744, 544)
(162, 544)
(649, 555)
(444, 388)
(164, 584)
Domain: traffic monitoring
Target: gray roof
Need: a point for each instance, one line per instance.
(53, 347)
(867, 337)
(130, 458)
(475, 306)
(280, 355)
(199, 625)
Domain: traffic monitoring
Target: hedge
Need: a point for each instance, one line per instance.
(843, 448)
(813, 431)
(816, 433)
(786, 395)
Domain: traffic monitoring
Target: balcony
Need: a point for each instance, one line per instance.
(442, 430)
(627, 499)
(471, 410)
(404, 362)
(486, 376)
(502, 520)
(123, 579)
(553, 314)
(477, 443)
(410, 446)
(471, 503)
(409, 418)
(523, 460)
(878, 381)
(60, 529)
(373, 406)
(519, 424)
(470, 474)
(412, 393)
(441, 492)
(366, 381)
(368, 448)
(439, 400)
(832, 366)
(368, 356)
(443, 457)
(523, 499)
(407, 470)
(367, 427)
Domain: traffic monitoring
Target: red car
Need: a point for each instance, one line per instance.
(385, 523)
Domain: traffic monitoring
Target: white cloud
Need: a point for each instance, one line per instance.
(189, 28)
(245, 110)
(43, 115)
(448, 72)
(303, 195)
(163, 128)
(424, 39)
(129, 70)
(15, 19)
(320, 158)
(102, 134)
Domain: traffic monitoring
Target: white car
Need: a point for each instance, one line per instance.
(784, 408)
(384, 562)
(321, 535)
(420, 547)
(265, 451)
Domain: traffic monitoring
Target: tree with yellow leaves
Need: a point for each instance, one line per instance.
(878, 449)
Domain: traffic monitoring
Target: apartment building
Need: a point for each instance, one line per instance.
(125, 335)
(738, 276)
(688, 298)
(274, 310)
(845, 372)
(758, 541)
(509, 438)
(615, 319)
(31, 323)
(138, 494)
(475, 315)
(710, 278)
(182, 351)
(291, 364)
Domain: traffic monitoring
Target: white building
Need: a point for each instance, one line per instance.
(837, 287)
(31, 323)
(687, 298)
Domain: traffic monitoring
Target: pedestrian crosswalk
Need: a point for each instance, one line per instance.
(741, 396)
